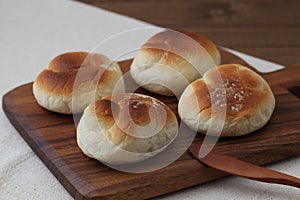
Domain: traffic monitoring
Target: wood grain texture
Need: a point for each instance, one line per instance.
(264, 28)
(52, 137)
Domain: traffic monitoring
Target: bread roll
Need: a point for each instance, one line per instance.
(126, 128)
(75, 75)
(247, 96)
(170, 60)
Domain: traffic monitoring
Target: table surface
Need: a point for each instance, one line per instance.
(264, 28)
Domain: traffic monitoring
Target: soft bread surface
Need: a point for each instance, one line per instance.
(126, 128)
(247, 97)
(81, 75)
(170, 60)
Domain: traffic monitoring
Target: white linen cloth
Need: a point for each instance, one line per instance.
(32, 32)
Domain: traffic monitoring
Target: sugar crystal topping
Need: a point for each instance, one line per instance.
(233, 94)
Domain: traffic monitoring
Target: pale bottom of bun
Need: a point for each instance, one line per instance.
(229, 128)
(162, 79)
(60, 104)
(72, 103)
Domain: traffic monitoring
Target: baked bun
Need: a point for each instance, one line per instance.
(170, 60)
(81, 75)
(246, 97)
(126, 128)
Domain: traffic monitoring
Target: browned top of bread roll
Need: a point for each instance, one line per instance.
(244, 91)
(176, 42)
(171, 55)
(58, 78)
(138, 107)
(246, 96)
(75, 79)
(126, 128)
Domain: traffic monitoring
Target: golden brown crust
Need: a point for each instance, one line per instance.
(244, 91)
(56, 82)
(74, 80)
(171, 55)
(67, 61)
(126, 138)
(105, 107)
(159, 43)
(60, 75)
(203, 41)
(243, 96)
(138, 107)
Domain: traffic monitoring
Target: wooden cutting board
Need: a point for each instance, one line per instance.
(52, 138)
